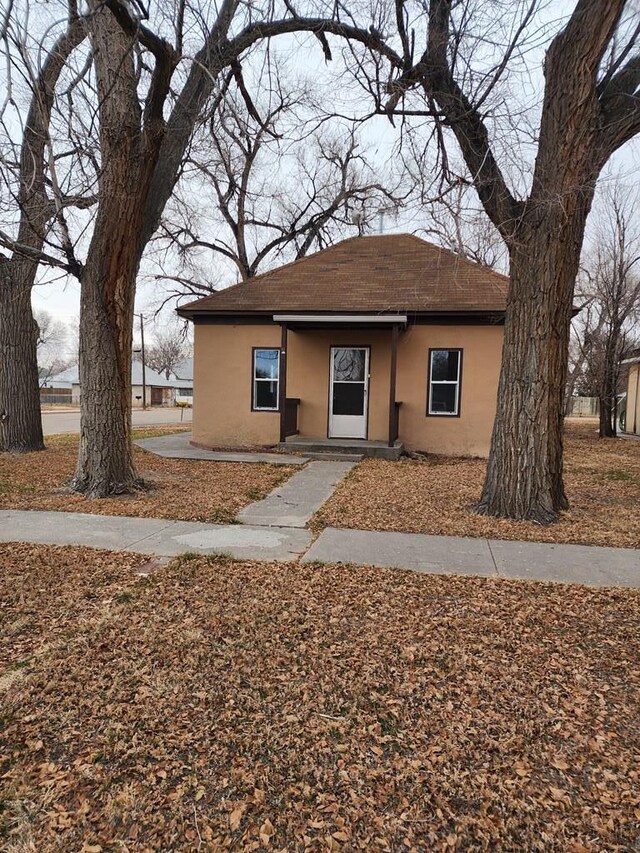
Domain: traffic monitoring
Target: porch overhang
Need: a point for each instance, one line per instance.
(326, 321)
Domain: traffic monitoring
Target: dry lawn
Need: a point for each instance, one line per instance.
(185, 489)
(249, 706)
(602, 478)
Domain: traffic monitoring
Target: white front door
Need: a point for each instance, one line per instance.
(348, 392)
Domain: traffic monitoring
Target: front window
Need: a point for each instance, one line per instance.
(444, 382)
(266, 379)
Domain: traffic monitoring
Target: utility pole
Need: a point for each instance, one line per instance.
(144, 383)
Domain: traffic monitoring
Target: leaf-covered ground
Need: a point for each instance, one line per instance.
(602, 478)
(190, 490)
(216, 705)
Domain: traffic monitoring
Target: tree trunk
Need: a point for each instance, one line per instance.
(524, 475)
(607, 424)
(20, 418)
(105, 459)
(108, 282)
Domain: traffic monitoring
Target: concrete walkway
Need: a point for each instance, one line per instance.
(293, 503)
(157, 536)
(434, 554)
(177, 446)
(542, 561)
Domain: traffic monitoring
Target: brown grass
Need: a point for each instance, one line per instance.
(190, 490)
(216, 705)
(436, 496)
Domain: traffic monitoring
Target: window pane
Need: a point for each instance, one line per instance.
(266, 363)
(443, 399)
(348, 365)
(444, 365)
(348, 398)
(266, 395)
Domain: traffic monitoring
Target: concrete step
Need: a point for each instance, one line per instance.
(343, 448)
(332, 456)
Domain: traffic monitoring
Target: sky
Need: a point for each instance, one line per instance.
(61, 297)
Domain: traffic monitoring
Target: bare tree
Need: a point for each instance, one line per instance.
(607, 328)
(38, 204)
(53, 345)
(279, 188)
(168, 348)
(141, 156)
(454, 223)
(450, 73)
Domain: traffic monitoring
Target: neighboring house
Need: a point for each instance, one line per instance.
(183, 376)
(160, 391)
(383, 338)
(632, 402)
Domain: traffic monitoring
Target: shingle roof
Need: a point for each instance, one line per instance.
(390, 272)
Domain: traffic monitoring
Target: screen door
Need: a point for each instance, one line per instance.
(348, 393)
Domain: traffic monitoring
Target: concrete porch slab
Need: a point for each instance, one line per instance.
(178, 446)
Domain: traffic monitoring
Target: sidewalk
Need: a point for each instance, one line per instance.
(582, 564)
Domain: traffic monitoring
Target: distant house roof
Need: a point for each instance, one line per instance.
(184, 370)
(382, 273)
(151, 377)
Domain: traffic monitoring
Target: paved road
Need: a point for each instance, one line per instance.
(54, 422)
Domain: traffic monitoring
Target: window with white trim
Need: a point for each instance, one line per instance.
(266, 380)
(444, 382)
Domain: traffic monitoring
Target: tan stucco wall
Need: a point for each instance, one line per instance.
(632, 422)
(470, 433)
(222, 413)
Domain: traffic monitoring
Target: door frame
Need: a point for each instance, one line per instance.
(366, 347)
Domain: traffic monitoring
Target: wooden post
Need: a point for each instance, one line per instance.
(392, 384)
(282, 387)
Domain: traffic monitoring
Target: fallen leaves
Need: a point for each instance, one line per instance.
(186, 489)
(436, 496)
(275, 707)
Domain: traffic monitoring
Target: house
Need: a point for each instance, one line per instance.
(632, 403)
(183, 376)
(159, 391)
(386, 340)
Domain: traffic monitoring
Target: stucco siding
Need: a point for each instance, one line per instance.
(222, 413)
(469, 434)
(632, 418)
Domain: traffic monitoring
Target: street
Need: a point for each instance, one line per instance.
(69, 421)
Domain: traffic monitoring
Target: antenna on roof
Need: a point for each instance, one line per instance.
(382, 211)
(357, 217)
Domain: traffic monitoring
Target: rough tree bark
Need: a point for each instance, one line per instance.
(129, 153)
(20, 420)
(524, 474)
